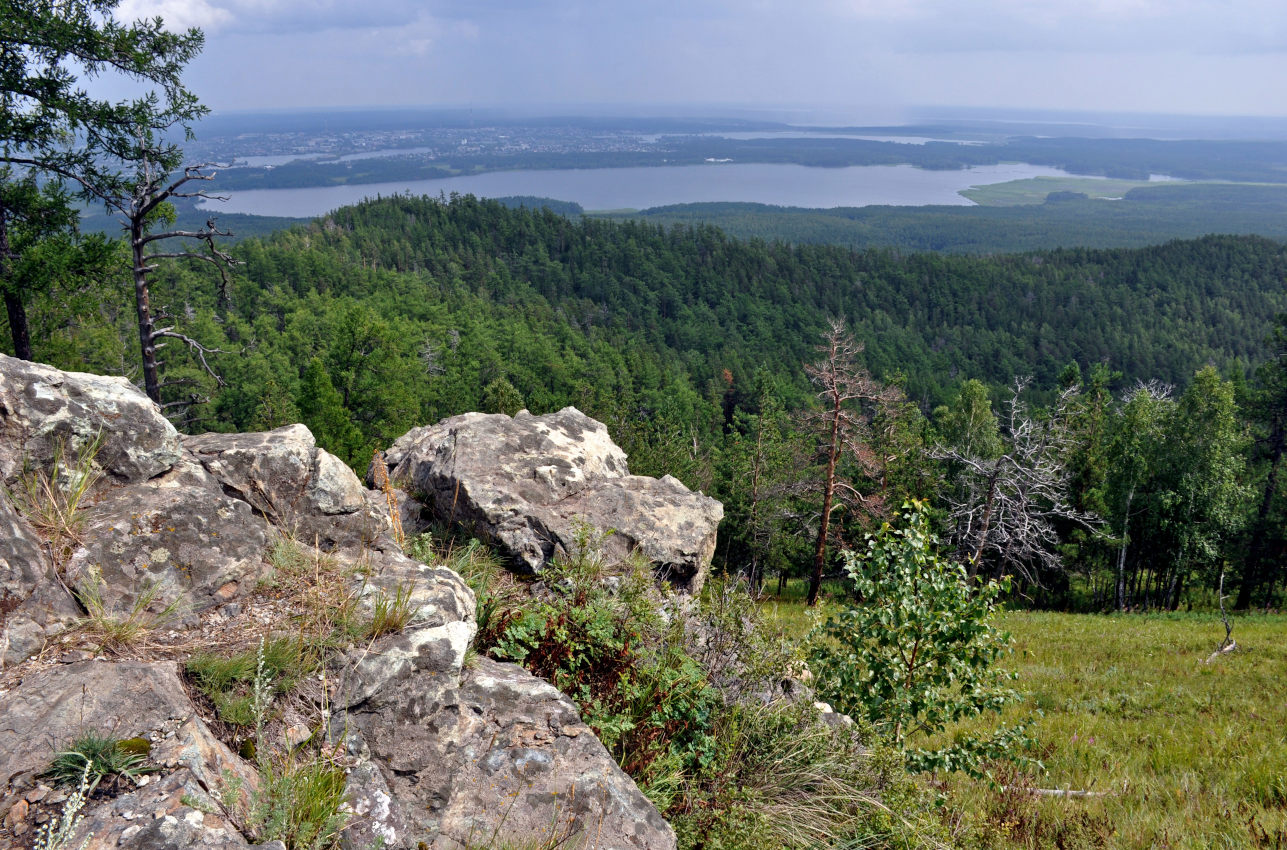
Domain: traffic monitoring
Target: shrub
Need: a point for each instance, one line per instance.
(919, 652)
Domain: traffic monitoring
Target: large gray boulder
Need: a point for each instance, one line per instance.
(34, 605)
(439, 751)
(527, 483)
(502, 757)
(177, 537)
(45, 411)
(307, 492)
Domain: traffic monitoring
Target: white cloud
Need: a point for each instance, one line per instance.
(178, 14)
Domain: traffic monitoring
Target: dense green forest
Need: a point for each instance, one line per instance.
(1147, 215)
(691, 345)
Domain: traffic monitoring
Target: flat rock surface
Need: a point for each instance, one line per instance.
(48, 710)
(179, 532)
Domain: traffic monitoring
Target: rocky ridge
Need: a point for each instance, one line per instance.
(178, 535)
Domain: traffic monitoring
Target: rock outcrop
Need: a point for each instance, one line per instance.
(47, 414)
(526, 482)
(499, 755)
(437, 752)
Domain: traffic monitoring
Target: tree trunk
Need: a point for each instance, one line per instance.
(828, 494)
(988, 504)
(17, 313)
(755, 512)
(1121, 554)
(147, 340)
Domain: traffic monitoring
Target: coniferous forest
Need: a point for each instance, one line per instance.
(1122, 406)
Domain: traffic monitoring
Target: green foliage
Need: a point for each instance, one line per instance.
(229, 680)
(919, 651)
(299, 802)
(53, 128)
(783, 778)
(681, 707)
(94, 757)
(649, 704)
(390, 612)
(499, 396)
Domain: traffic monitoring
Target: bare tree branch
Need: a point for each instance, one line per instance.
(1006, 509)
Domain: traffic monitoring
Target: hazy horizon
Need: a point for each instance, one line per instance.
(852, 58)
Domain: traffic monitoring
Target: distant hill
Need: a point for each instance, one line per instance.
(1147, 215)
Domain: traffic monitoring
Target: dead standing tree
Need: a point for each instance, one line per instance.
(848, 394)
(144, 203)
(1007, 507)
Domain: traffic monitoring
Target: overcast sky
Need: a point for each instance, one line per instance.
(866, 59)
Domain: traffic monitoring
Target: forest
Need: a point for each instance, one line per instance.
(905, 443)
(1146, 215)
(1151, 378)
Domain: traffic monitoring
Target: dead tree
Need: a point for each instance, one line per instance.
(1007, 507)
(143, 205)
(848, 393)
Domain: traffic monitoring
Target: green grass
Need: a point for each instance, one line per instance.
(1192, 755)
(1034, 190)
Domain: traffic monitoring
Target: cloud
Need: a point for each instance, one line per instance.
(178, 14)
(278, 17)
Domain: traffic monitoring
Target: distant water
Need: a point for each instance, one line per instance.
(640, 188)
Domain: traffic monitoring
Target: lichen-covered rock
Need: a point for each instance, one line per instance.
(503, 757)
(158, 816)
(527, 482)
(34, 605)
(430, 647)
(45, 411)
(305, 491)
(51, 708)
(179, 533)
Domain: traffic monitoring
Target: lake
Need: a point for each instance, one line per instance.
(640, 188)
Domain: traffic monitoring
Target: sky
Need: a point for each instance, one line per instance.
(864, 61)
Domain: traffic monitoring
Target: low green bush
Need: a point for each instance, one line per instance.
(687, 695)
(919, 651)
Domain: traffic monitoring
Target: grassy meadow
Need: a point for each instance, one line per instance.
(1176, 752)
(1033, 190)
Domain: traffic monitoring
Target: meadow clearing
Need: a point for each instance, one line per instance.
(1174, 752)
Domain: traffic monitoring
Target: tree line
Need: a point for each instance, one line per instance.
(1105, 426)
(1131, 477)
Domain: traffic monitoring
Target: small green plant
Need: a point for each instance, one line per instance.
(390, 612)
(58, 832)
(300, 793)
(121, 631)
(299, 801)
(192, 801)
(94, 757)
(287, 557)
(236, 683)
(920, 651)
(54, 504)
